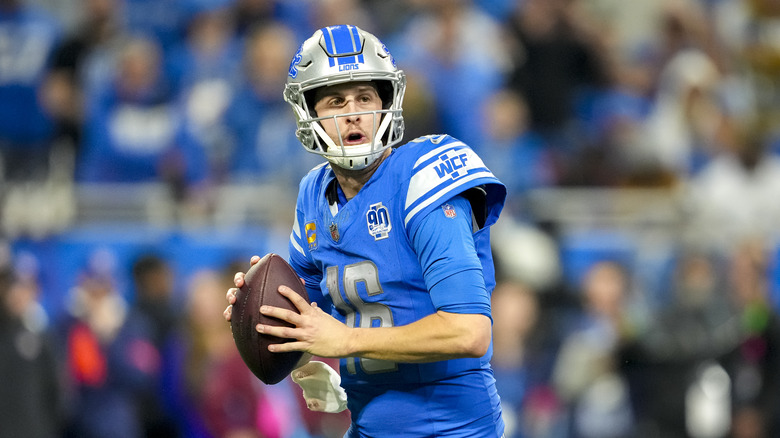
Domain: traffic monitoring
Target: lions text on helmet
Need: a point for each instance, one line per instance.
(351, 69)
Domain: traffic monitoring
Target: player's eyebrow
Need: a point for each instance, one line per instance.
(364, 88)
(340, 91)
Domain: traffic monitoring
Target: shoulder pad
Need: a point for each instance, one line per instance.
(444, 169)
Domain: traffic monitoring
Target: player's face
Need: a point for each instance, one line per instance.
(355, 97)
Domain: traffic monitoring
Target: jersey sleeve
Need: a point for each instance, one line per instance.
(300, 261)
(451, 267)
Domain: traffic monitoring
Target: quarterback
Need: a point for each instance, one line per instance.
(392, 242)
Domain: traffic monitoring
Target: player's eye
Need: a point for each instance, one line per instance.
(367, 98)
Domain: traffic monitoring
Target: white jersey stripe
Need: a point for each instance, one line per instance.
(296, 245)
(436, 151)
(295, 235)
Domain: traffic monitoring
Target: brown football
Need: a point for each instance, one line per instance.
(261, 285)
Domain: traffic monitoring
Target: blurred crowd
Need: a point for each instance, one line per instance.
(638, 283)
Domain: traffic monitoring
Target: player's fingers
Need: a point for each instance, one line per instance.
(238, 279)
(287, 347)
(228, 313)
(254, 259)
(283, 314)
(231, 295)
(293, 296)
(279, 332)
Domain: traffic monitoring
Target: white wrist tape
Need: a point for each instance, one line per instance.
(321, 386)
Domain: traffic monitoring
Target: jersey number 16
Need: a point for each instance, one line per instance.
(358, 312)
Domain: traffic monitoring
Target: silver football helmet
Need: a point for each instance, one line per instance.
(338, 54)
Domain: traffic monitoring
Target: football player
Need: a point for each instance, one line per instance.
(393, 244)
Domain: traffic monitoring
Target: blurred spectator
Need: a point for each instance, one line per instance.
(67, 12)
(247, 14)
(420, 112)
(519, 361)
(735, 196)
(465, 59)
(154, 291)
(205, 69)
(265, 148)
(388, 18)
(511, 150)
(684, 337)
(687, 119)
(201, 339)
(699, 95)
(753, 363)
(613, 123)
(587, 373)
(153, 281)
(133, 132)
(26, 130)
(610, 117)
(31, 396)
(557, 55)
(112, 364)
(298, 15)
(76, 65)
(220, 395)
(331, 12)
(498, 9)
(163, 21)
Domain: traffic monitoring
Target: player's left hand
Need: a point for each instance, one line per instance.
(321, 386)
(238, 281)
(315, 331)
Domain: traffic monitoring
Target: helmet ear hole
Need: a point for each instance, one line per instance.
(385, 91)
(309, 98)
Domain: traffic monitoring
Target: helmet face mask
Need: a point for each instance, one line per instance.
(337, 55)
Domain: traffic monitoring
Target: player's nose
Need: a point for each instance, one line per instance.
(352, 107)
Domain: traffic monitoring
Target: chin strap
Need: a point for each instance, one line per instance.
(321, 386)
(362, 155)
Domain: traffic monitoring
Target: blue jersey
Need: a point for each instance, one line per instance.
(381, 259)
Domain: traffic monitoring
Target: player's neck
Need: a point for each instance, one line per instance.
(351, 181)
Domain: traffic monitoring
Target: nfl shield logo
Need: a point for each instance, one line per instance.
(449, 211)
(334, 232)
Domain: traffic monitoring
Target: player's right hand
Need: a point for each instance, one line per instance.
(238, 281)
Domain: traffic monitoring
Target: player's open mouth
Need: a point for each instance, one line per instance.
(355, 138)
